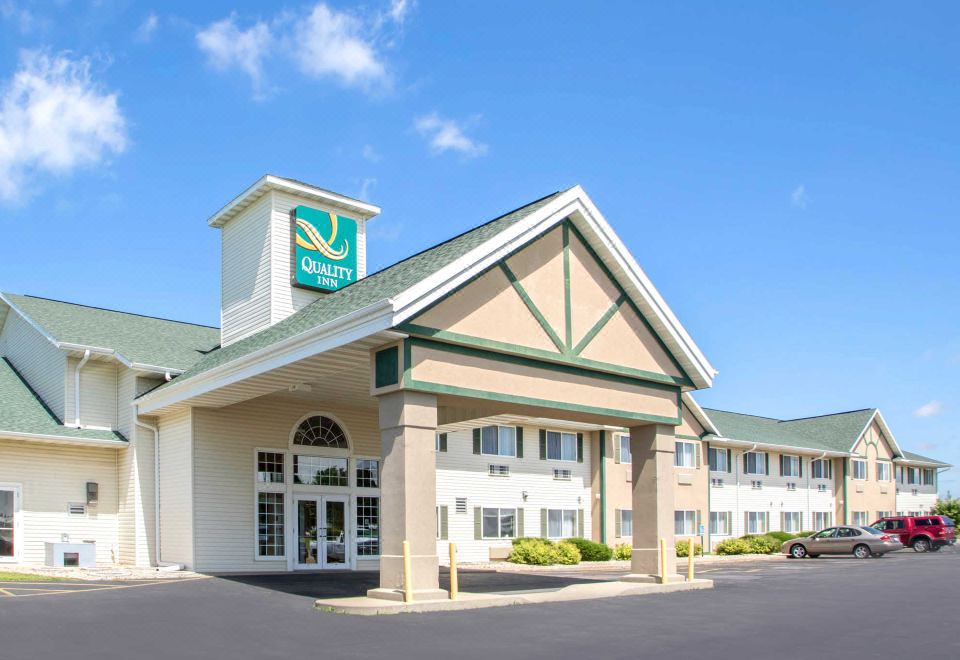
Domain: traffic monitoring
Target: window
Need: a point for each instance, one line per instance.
(561, 446)
(720, 523)
(913, 476)
(719, 460)
(716, 483)
(561, 523)
(685, 454)
(623, 446)
(821, 468)
(368, 526)
(758, 522)
(269, 467)
(848, 532)
(270, 525)
(562, 474)
(498, 440)
(368, 473)
(860, 518)
(754, 463)
(756, 484)
(792, 520)
(883, 471)
(928, 477)
(499, 523)
(320, 431)
(440, 442)
(790, 466)
(883, 514)
(319, 471)
(684, 523)
(498, 470)
(859, 469)
(626, 523)
(8, 540)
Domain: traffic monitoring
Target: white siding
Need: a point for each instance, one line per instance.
(51, 478)
(461, 473)
(737, 495)
(245, 272)
(41, 363)
(98, 393)
(176, 489)
(225, 443)
(915, 498)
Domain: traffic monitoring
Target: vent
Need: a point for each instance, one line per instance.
(562, 474)
(791, 486)
(716, 483)
(76, 509)
(822, 488)
(756, 484)
(499, 470)
(461, 505)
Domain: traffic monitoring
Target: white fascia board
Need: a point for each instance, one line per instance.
(699, 413)
(887, 433)
(59, 439)
(339, 332)
(33, 324)
(913, 461)
(781, 449)
(270, 182)
(675, 331)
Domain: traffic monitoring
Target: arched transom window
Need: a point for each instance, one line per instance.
(320, 431)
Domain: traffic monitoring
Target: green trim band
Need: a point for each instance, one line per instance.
(598, 326)
(541, 319)
(585, 364)
(846, 504)
(567, 306)
(541, 364)
(603, 486)
(687, 437)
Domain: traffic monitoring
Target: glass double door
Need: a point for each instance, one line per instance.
(322, 532)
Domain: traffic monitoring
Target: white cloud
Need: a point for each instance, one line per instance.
(365, 186)
(447, 135)
(147, 28)
(930, 409)
(25, 20)
(371, 154)
(338, 45)
(399, 10)
(799, 196)
(227, 46)
(54, 118)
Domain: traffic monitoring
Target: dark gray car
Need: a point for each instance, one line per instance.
(861, 542)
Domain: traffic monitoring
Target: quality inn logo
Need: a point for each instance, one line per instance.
(324, 249)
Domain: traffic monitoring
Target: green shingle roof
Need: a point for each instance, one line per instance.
(372, 289)
(917, 457)
(21, 411)
(825, 433)
(139, 339)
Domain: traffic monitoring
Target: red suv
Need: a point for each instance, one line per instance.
(922, 533)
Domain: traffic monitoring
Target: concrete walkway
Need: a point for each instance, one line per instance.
(364, 606)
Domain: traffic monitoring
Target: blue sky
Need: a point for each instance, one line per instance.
(786, 173)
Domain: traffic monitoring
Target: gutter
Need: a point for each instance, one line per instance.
(778, 448)
(76, 386)
(44, 437)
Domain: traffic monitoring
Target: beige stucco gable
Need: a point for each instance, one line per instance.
(553, 297)
(874, 444)
(689, 426)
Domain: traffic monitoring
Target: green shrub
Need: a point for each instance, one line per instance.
(623, 552)
(683, 548)
(762, 545)
(567, 553)
(522, 539)
(800, 535)
(590, 551)
(732, 547)
(781, 536)
(538, 552)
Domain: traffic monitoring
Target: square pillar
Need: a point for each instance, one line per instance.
(408, 495)
(652, 449)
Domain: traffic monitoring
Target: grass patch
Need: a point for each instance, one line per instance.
(8, 576)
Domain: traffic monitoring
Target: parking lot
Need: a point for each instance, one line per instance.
(837, 607)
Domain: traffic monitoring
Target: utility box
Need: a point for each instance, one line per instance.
(75, 555)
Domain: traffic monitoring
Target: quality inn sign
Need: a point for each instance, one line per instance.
(323, 249)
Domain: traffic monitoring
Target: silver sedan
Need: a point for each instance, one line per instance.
(861, 542)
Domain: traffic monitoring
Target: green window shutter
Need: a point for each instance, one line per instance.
(476, 441)
(477, 523)
(745, 462)
(617, 524)
(699, 521)
(519, 442)
(443, 442)
(766, 461)
(520, 518)
(616, 448)
(543, 445)
(580, 523)
(698, 447)
(781, 465)
(729, 460)
(800, 463)
(444, 528)
(579, 448)
(746, 522)
(543, 523)
(782, 517)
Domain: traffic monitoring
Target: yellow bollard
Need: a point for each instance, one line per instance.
(407, 574)
(690, 560)
(663, 561)
(454, 586)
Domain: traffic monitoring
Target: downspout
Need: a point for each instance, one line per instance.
(603, 486)
(76, 387)
(706, 536)
(156, 483)
(845, 503)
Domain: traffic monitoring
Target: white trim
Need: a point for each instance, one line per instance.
(332, 452)
(887, 433)
(17, 489)
(59, 439)
(270, 182)
(348, 517)
(699, 413)
(805, 451)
